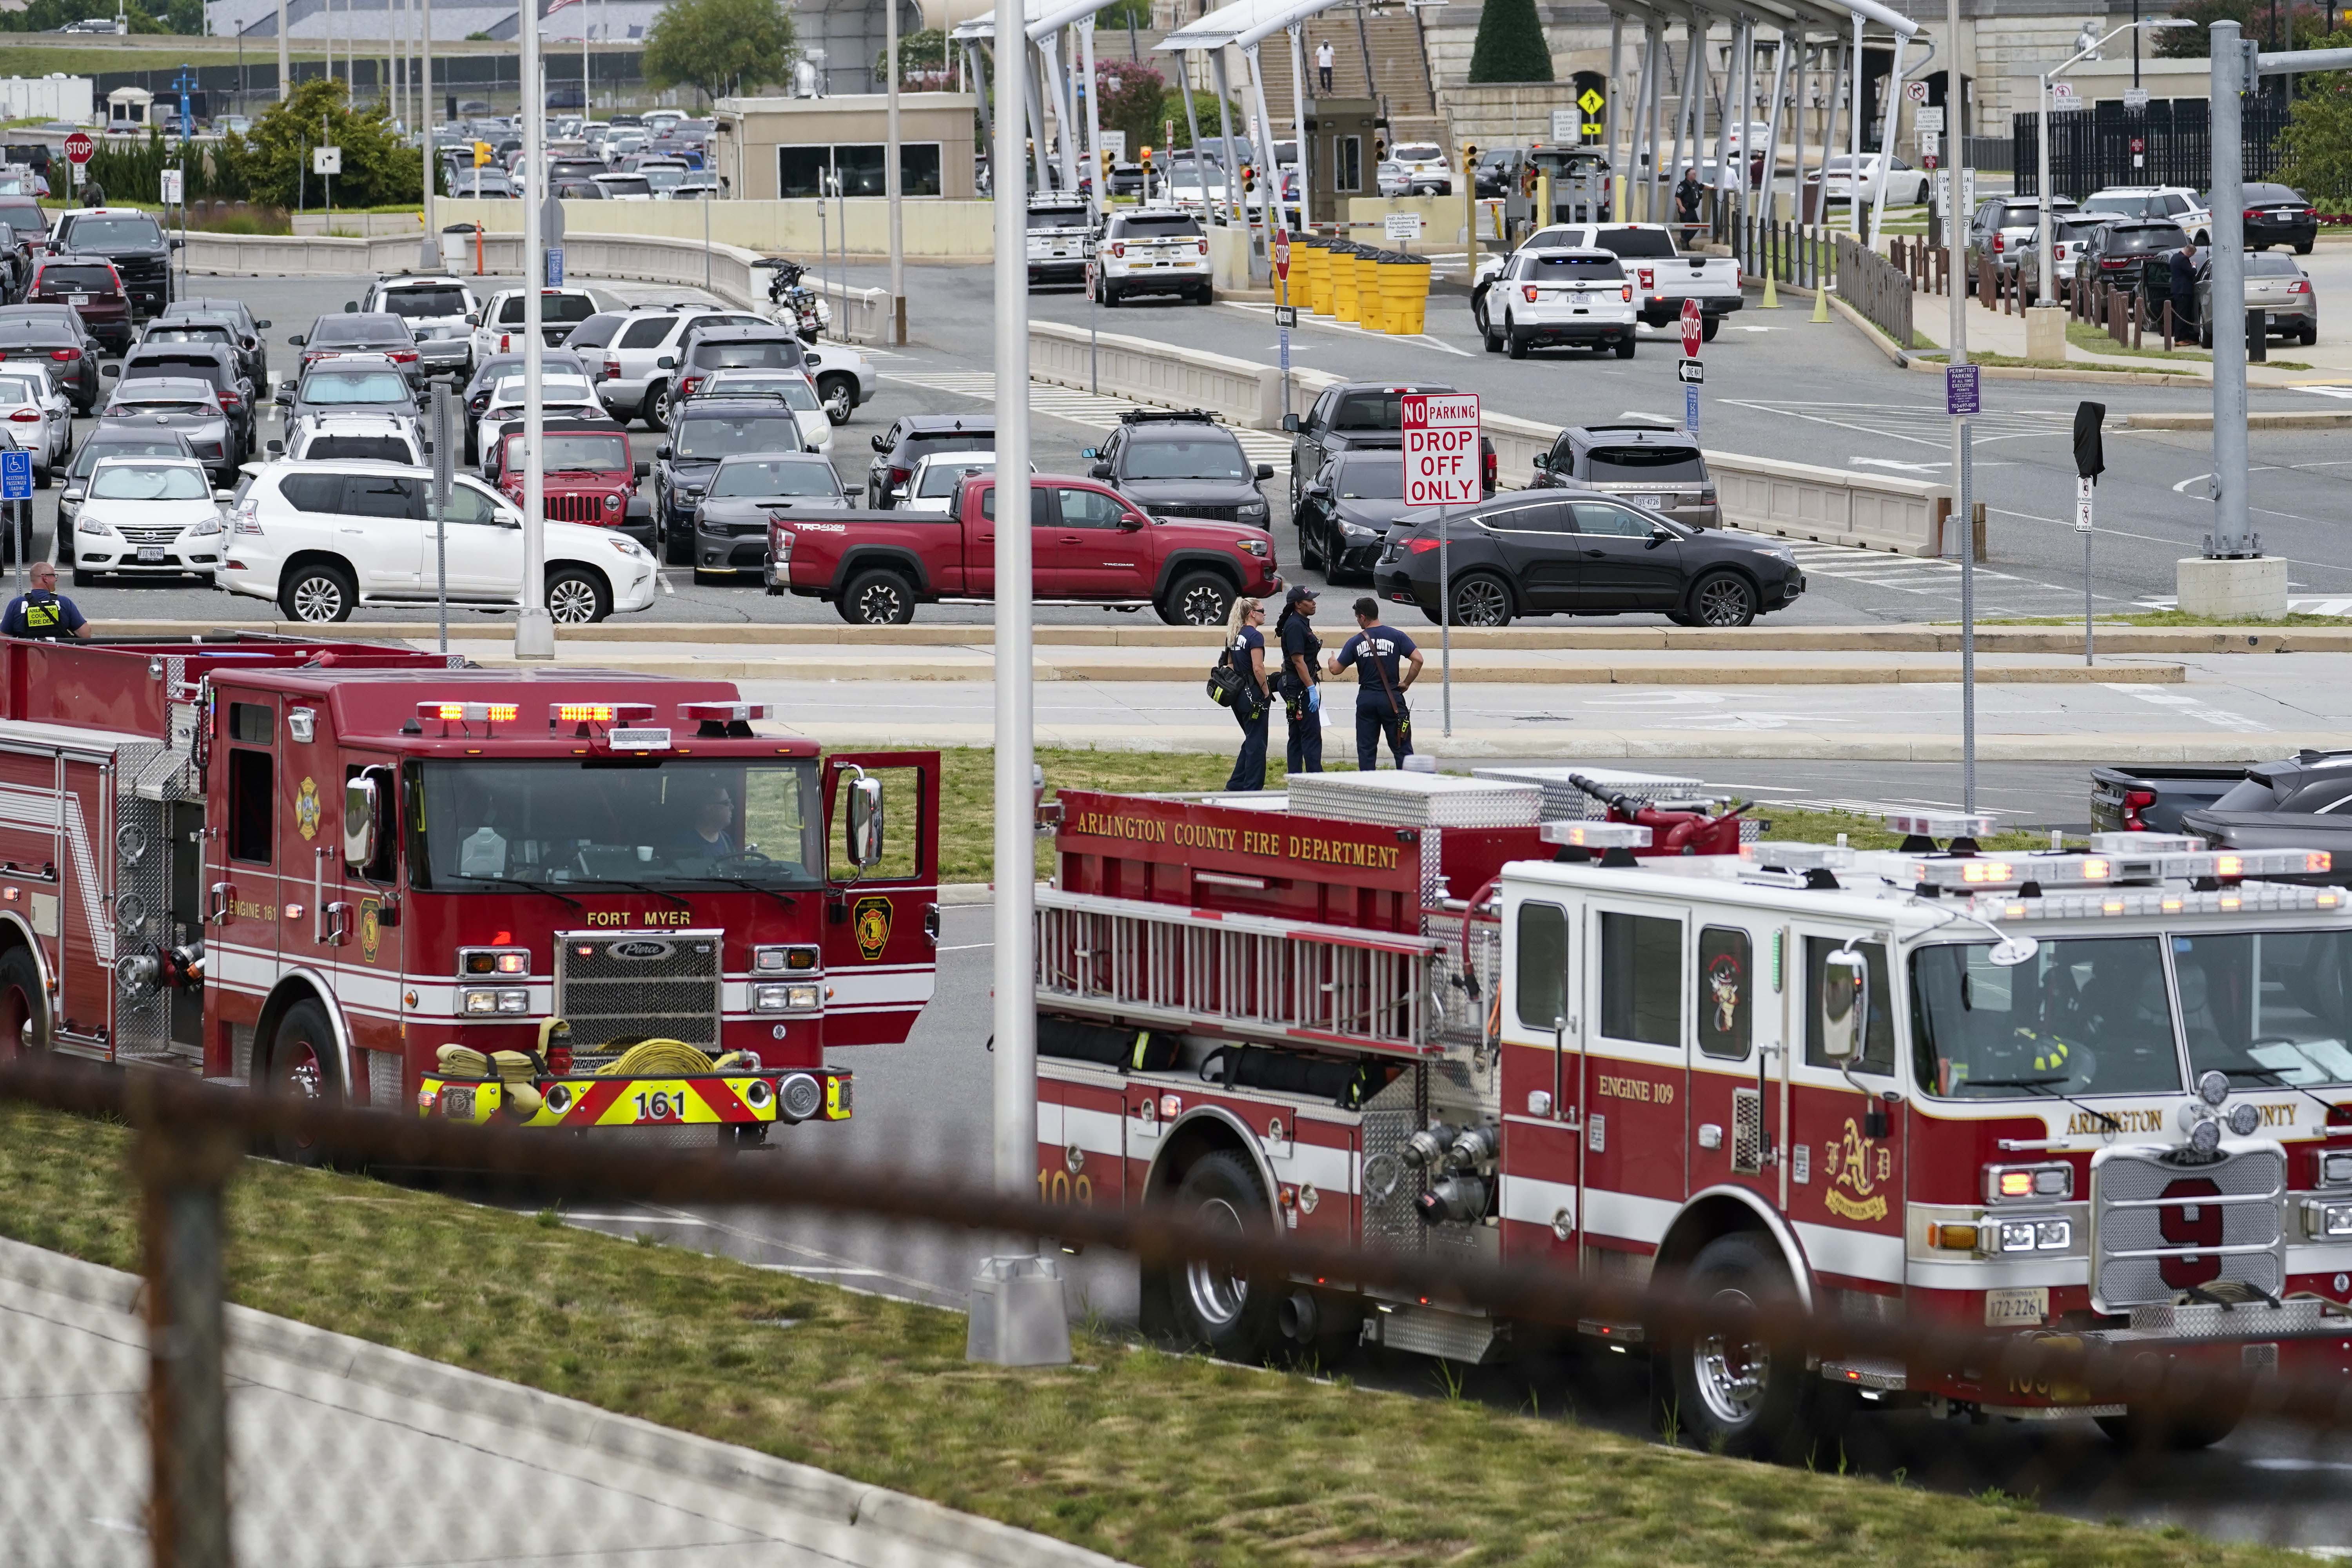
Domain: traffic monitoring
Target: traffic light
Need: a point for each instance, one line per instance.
(1249, 179)
(481, 153)
(1470, 158)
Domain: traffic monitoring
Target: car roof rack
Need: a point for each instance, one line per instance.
(1167, 416)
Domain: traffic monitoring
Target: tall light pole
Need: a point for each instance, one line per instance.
(1017, 1315)
(1957, 123)
(285, 57)
(429, 257)
(534, 629)
(892, 180)
(2042, 257)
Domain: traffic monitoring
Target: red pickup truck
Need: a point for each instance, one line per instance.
(1090, 546)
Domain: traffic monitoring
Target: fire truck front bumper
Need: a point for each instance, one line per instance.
(592, 1103)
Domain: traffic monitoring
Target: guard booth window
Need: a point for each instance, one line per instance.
(1878, 1045)
(1641, 979)
(1346, 162)
(1541, 955)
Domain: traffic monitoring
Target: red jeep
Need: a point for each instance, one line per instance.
(589, 476)
(1091, 546)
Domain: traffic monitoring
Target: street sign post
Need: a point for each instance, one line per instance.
(1694, 328)
(1403, 228)
(1441, 469)
(1094, 323)
(1928, 117)
(174, 185)
(1960, 384)
(16, 490)
(1567, 126)
(2090, 462)
(1691, 373)
(1691, 370)
(436, 497)
(1285, 316)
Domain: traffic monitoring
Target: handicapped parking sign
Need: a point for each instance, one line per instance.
(15, 475)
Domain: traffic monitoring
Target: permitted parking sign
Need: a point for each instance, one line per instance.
(15, 475)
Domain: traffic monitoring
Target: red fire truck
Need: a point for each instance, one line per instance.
(310, 865)
(2106, 1094)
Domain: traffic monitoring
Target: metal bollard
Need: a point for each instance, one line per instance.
(181, 1171)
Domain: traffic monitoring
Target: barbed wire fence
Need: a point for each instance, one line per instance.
(136, 1436)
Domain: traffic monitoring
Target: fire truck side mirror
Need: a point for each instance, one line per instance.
(1846, 1006)
(367, 820)
(865, 823)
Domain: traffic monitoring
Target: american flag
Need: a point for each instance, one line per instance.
(552, 6)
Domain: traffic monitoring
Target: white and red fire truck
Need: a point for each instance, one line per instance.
(2106, 1094)
(310, 865)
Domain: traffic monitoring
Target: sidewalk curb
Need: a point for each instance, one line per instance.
(2271, 421)
(913, 1524)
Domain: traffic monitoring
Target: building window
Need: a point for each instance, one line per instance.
(802, 171)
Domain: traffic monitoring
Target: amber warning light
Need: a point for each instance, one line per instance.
(467, 712)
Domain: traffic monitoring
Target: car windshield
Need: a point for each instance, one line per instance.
(662, 177)
(2083, 1015)
(1615, 464)
(551, 389)
(939, 479)
(22, 389)
(708, 436)
(795, 390)
(115, 234)
(572, 452)
(1369, 411)
(367, 449)
(2154, 236)
(355, 386)
(2267, 1008)
(142, 481)
(1378, 478)
(185, 332)
(144, 407)
(1187, 457)
(358, 329)
(740, 477)
(1417, 152)
(555, 309)
(615, 822)
(2127, 206)
(422, 304)
(624, 185)
(2268, 195)
(1058, 218)
(2270, 264)
(1649, 242)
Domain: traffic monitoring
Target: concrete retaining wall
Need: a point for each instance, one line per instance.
(1796, 501)
(936, 229)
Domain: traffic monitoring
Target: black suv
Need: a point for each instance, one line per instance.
(55, 336)
(701, 433)
(1657, 468)
(916, 436)
(1348, 413)
(252, 350)
(129, 238)
(1345, 511)
(707, 349)
(2276, 216)
(1183, 464)
(2133, 255)
(1575, 552)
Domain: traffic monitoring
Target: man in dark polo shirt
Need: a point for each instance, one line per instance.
(43, 611)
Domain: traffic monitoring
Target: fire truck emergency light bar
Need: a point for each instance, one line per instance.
(599, 712)
(720, 712)
(1940, 824)
(467, 712)
(1596, 835)
(2080, 870)
(2254, 898)
(1795, 856)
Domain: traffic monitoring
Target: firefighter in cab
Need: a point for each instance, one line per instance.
(41, 611)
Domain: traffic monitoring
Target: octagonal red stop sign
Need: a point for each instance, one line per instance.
(78, 147)
(1282, 255)
(1693, 329)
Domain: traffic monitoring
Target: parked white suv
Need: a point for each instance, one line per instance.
(441, 314)
(638, 351)
(2177, 203)
(1060, 237)
(1154, 250)
(320, 538)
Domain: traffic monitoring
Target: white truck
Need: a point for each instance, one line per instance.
(1662, 276)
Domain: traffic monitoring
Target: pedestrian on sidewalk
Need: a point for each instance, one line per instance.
(1245, 652)
(2184, 290)
(1687, 196)
(43, 611)
(1323, 58)
(1300, 684)
(1381, 681)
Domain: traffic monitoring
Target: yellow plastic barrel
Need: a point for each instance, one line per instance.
(1416, 300)
(1366, 264)
(1396, 292)
(1343, 280)
(1310, 279)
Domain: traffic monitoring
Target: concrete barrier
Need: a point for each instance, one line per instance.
(1795, 500)
(1238, 391)
(936, 229)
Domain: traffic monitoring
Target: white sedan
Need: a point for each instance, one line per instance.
(795, 387)
(148, 516)
(39, 416)
(1905, 186)
(562, 396)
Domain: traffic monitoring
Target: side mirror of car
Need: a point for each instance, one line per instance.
(109, 370)
(1659, 536)
(177, 242)
(1099, 471)
(299, 340)
(261, 326)
(1266, 470)
(642, 468)
(666, 362)
(1128, 521)
(472, 319)
(879, 444)
(274, 448)
(662, 452)
(1290, 423)
(224, 497)
(1089, 453)
(350, 306)
(1846, 1006)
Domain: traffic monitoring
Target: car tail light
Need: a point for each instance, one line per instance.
(403, 356)
(901, 476)
(1118, 250)
(688, 387)
(1529, 290)
(2311, 212)
(1204, 246)
(1420, 546)
(2300, 286)
(1486, 469)
(1998, 244)
(505, 343)
(611, 368)
(1626, 293)
(2135, 802)
(26, 415)
(63, 354)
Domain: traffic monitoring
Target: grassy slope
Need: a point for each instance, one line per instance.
(1160, 1460)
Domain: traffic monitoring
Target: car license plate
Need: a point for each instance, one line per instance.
(151, 555)
(76, 298)
(1647, 500)
(2017, 1304)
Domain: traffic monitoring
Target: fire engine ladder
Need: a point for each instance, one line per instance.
(1247, 977)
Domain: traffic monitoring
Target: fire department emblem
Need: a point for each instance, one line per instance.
(1723, 980)
(306, 808)
(870, 921)
(370, 927)
(1861, 1165)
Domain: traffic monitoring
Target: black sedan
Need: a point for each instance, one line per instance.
(2304, 803)
(1345, 511)
(1580, 553)
(2275, 215)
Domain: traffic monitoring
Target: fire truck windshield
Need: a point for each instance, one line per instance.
(2267, 1008)
(616, 823)
(2083, 1016)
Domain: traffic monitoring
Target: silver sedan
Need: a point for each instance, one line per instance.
(39, 416)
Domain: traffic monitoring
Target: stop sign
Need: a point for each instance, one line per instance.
(78, 147)
(1282, 255)
(1693, 329)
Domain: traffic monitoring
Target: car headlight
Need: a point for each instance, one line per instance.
(1357, 531)
(93, 525)
(1251, 547)
(1253, 509)
(625, 545)
(800, 998)
(508, 1002)
(612, 503)
(209, 525)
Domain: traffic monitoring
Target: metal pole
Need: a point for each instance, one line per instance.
(1655, 95)
(1017, 1316)
(1799, 91)
(430, 256)
(1306, 158)
(2135, 45)
(2043, 262)
(1956, 125)
(2088, 647)
(1609, 119)
(180, 1176)
(1234, 214)
(444, 468)
(1193, 132)
(1853, 138)
(1887, 138)
(893, 184)
(1771, 134)
(534, 629)
(2231, 525)
(1445, 627)
(285, 56)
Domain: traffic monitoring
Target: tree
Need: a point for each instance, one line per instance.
(2316, 145)
(1134, 104)
(1511, 45)
(719, 46)
(923, 62)
(273, 164)
(1204, 106)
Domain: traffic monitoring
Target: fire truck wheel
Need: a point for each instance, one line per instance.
(1234, 1316)
(303, 1064)
(24, 1011)
(2178, 1431)
(1735, 1394)
(317, 593)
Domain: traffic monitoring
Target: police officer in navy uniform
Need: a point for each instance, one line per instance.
(42, 611)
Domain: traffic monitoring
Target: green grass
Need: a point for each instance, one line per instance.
(1162, 1460)
(1977, 356)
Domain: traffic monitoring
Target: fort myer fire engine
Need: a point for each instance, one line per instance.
(575, 899)
(2106, 1094)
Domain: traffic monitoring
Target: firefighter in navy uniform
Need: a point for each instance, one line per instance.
(41, 611)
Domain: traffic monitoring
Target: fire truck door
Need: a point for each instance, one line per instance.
(881, 919)
(1638, 984)
(1845, 1153)
(1540, 1083)
(1736, 1022)
(242, 871)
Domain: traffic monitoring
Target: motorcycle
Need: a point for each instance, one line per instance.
(797, 305)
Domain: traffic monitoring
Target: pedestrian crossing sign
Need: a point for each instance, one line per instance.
(1591, 101)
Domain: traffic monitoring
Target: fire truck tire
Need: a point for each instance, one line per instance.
(1234, 1316)
(316, 592)
(1750, 1400)
(2180, 1432)
(304, 1063)
(24, 1009)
